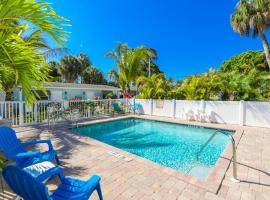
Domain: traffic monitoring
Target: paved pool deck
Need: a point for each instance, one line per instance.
(142, 179)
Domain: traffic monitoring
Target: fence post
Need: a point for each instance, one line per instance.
(21, 114)
(133, 106)
(173, 108)
(242, 113)
(203, 103)
(35, 112)
(151, 107)
(21, 117)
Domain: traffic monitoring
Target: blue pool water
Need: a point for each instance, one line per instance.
(189, 149)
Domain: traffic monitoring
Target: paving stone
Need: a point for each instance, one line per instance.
(144, 180)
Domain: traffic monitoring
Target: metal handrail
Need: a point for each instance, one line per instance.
(234, 178)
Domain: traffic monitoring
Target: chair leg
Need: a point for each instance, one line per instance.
(99, 192)
(57, 160)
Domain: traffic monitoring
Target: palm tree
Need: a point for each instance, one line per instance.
(113, 76)
(92, 75)
(154, 87)
(253, 16)
(55, 73)
(21, 57)
(70, 68)
(37, 39)
(73, 67)
(149, 65)
(130, 62)
(84, 62)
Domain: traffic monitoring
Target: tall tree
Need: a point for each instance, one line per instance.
(19, 56)
(92, 75)
(55, 73)
(130, 62)
(113, 77)
(245, 77)
(150, 63)
(70, 68)
(253, 16)
(84, 62)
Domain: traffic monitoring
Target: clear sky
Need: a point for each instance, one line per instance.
(189, 36)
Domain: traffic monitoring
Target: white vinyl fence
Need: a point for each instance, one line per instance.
(246, 113)
(227, 112)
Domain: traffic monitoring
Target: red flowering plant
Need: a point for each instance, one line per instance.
(127, 95)
(97, 97)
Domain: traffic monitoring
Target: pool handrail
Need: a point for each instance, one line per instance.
(234, 178)
(234, 160)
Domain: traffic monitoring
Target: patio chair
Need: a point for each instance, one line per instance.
(117, 108)
(30, 188)
(137, 107)
(15, 150)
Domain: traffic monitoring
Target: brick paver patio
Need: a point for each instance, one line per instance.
(142, 179)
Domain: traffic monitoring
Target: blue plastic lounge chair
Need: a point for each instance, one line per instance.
(15, 150)
(30, 188)
(117, 108)
(137, 107)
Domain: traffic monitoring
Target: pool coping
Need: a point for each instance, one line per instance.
(217, 174)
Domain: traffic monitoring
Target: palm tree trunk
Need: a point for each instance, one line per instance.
(266, 48)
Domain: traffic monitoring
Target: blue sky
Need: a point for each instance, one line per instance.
(190, 36)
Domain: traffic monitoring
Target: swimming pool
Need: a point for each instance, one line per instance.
(192, 150)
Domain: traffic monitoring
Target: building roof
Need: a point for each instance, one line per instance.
(58, 85)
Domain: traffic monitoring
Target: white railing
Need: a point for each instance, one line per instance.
(227, 112)
(20, 113)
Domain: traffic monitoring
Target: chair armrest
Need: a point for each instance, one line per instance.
(51, 172)
(93, 181)
(48, 142)
(27, 154)
(90, 184)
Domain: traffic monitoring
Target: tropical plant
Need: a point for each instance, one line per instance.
(113, 77)
(109, 95)
(242, 77)
(175, 91)
(155, 87)
(70, 68)
(84, 62)
(55, 72)
(206, 86)
(245, 77)
(149, 63)
(21, 57)
(245, 62)
(38, 39)
(253, 16)
(92, 75)
(130, 63)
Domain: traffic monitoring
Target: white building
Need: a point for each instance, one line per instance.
(68, 91)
